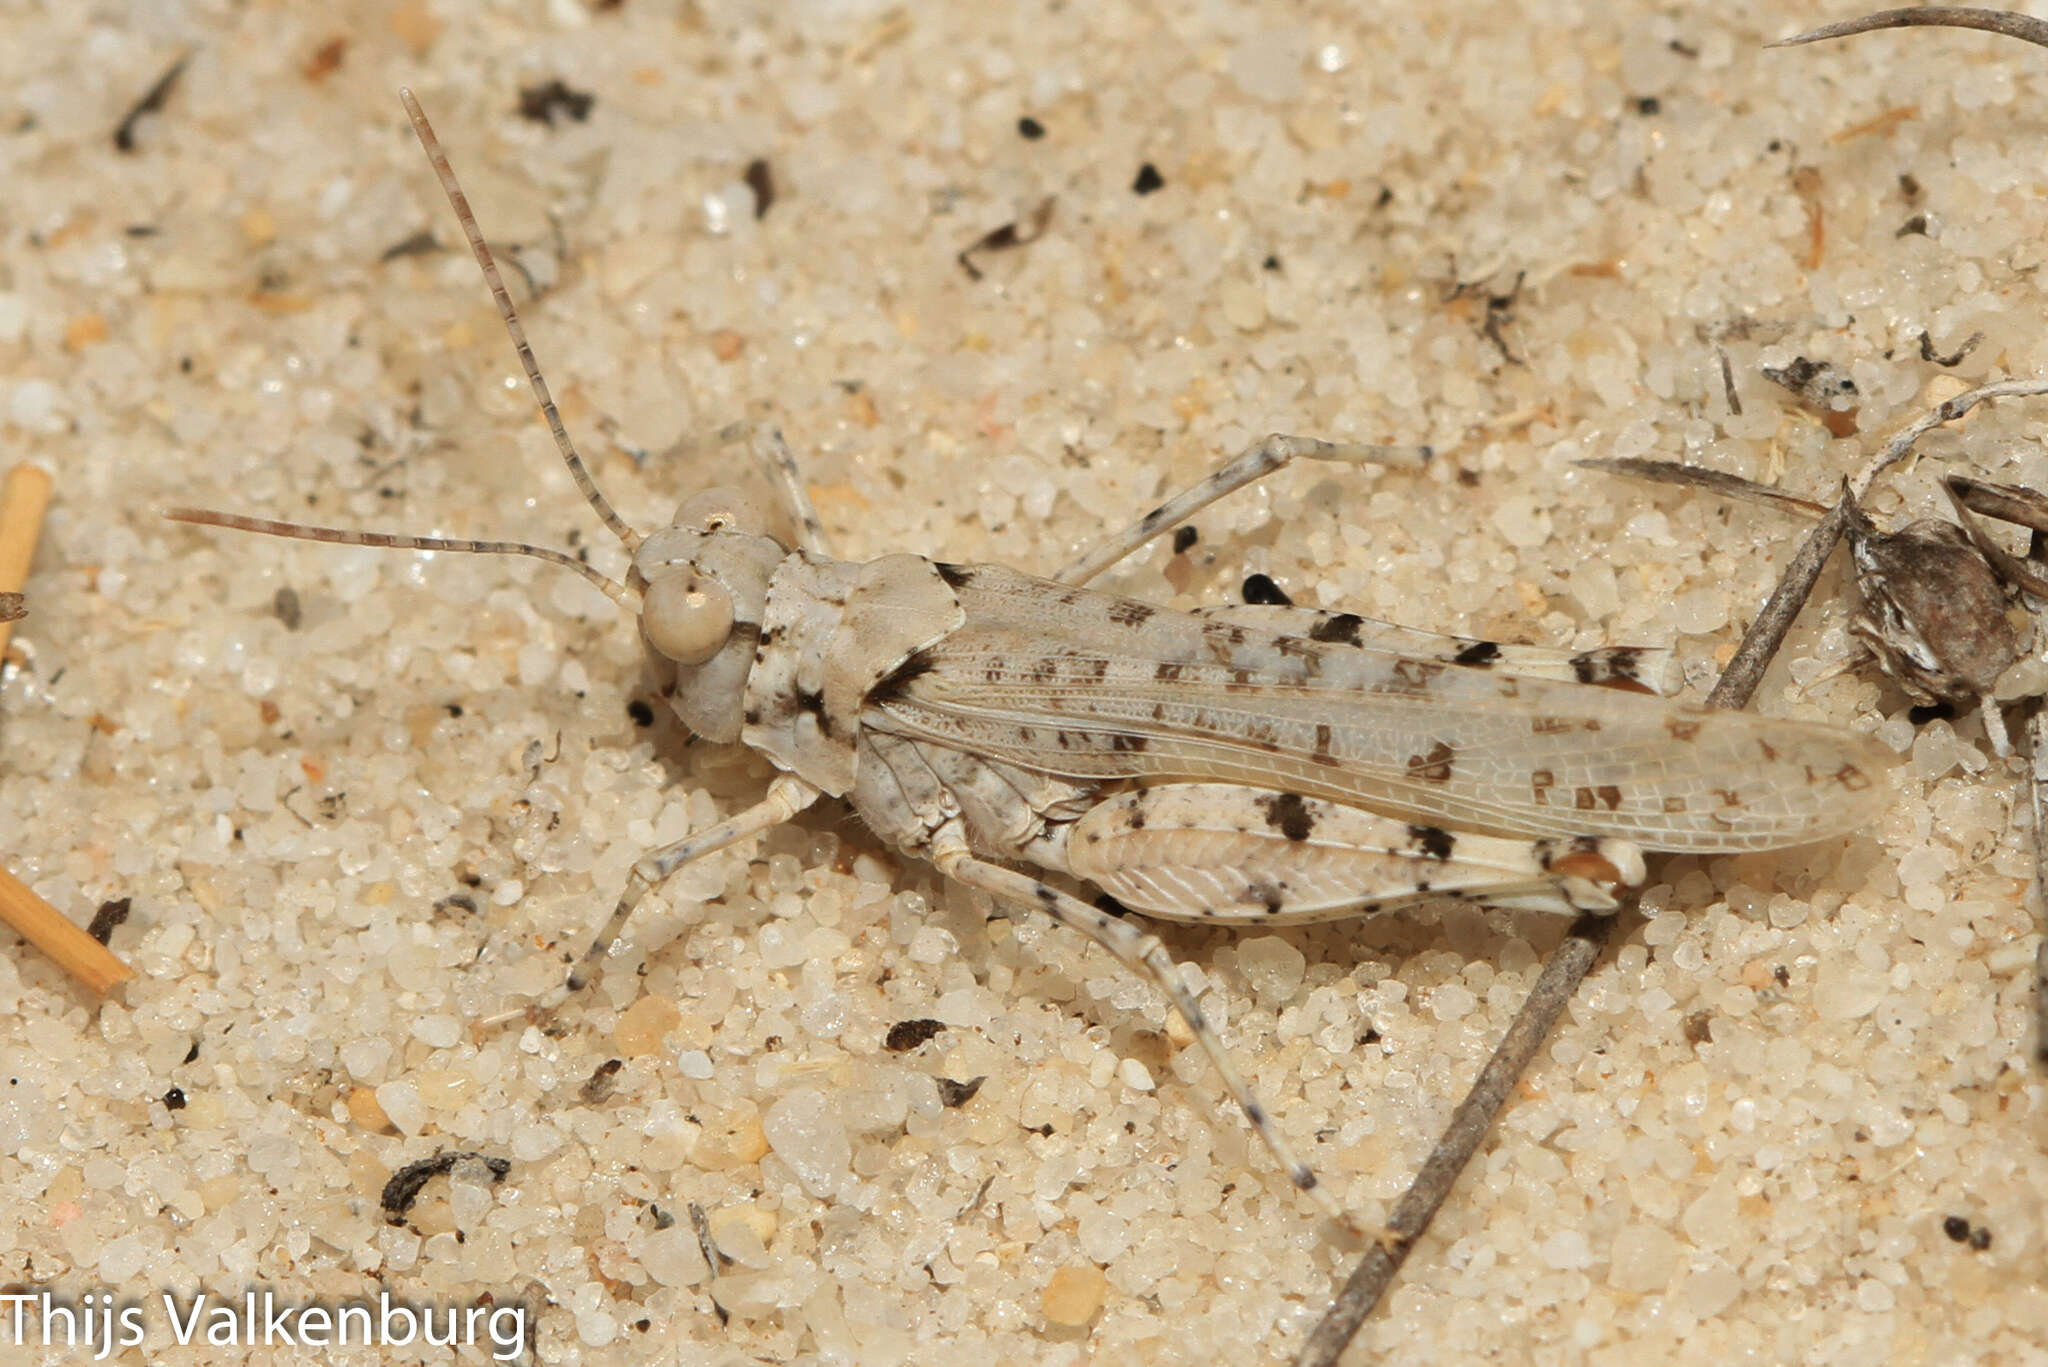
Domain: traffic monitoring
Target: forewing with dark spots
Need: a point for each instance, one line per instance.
(1065, 681)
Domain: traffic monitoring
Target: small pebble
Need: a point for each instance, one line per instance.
(1074, 1295)
(400, 1100)
(729, 1139)
(644, 1024)
(1272, 966)
(805, 1131)
(673, 1256)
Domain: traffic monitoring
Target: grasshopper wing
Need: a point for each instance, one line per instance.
(1089, 685)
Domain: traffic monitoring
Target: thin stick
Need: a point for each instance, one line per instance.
(2021, 26)
(1948, 410)
(2038, 729)
(49, 930)
(1703, 477)
(24, 496)
(458, 201)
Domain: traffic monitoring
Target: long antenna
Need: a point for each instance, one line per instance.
(460, 203)
(302, 531)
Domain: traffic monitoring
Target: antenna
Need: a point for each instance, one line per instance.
(460, 203)
(301, 531)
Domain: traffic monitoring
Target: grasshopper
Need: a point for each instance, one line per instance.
(1260, 765)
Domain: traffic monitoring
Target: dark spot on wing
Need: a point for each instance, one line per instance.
(1341, 628)
(1434, 841)
(1225, 632)
(1128, 612)
(1325, 744)
(1477, 655)
(1434, 767)
(1266, 893)
(1414, 676)
(958, 576)
(1288, 814)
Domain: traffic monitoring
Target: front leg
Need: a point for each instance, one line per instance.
(787, 796)
(1273, 453)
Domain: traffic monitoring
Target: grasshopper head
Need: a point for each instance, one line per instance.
(706, 580)
(701, 583)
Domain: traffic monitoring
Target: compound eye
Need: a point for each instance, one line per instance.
(686, 617)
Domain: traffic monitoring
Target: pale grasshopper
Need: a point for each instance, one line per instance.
(1258, 764)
